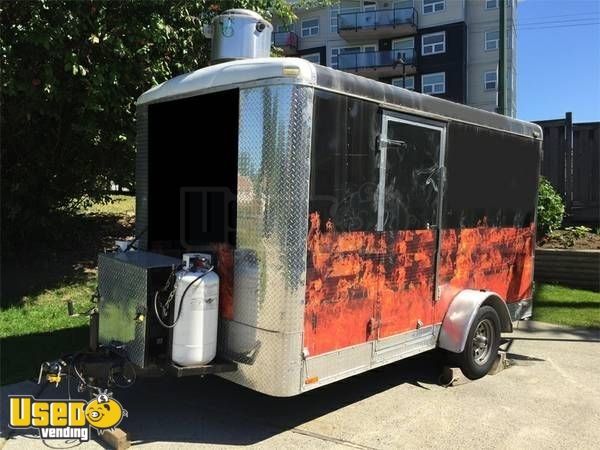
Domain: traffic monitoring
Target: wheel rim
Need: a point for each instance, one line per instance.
(482, 341)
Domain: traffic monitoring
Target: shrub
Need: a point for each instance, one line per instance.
(550, 209)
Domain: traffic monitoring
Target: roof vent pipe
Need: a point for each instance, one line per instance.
(239, 34)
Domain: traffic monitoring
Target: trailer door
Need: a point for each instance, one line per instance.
(409, 205)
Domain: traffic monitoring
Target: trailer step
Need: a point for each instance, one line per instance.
(216, 366)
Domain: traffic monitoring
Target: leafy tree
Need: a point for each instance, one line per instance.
(550, 209)
(71, 72)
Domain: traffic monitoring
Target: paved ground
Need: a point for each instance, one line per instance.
(549, 398)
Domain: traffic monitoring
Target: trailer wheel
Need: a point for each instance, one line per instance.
(482, 344)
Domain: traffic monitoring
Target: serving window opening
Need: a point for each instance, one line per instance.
(192, 172)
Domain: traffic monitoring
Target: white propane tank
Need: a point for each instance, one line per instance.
(195, 333)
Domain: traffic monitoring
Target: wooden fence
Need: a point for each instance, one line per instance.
(571, 162)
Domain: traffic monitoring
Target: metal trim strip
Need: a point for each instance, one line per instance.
(367, 350)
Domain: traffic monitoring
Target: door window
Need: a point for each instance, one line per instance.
(409, 187)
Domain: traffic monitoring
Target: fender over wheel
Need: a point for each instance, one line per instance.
(481, 348)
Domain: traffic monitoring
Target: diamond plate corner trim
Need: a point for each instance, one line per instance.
(272, 365)
(272, 207)
(272, 222)
(141, 176)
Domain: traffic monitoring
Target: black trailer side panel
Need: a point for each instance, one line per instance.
(386, 93)
(491, 178)
(345, 161)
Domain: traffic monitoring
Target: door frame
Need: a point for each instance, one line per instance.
(392, 116)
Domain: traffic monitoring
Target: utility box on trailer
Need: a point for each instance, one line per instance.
(351, 223)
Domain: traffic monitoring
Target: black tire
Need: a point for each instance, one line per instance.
(477, 358)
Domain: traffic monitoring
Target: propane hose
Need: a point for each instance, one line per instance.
(169, 326)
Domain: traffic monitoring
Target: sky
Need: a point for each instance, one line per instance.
(558, 59)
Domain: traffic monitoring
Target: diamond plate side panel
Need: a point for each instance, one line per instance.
(272, 221)
(123, 294)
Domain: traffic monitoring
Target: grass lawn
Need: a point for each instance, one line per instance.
(566, 306)
(34, 324)
(121, 205)
(47, 311)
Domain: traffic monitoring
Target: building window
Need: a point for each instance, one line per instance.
(336, 52)
(433, 83)
(369, 5)
(492, 39)
(404, 49)
(491, 4)
(313, 58)
(433, 6)
(490, 80)
(409, 83)
(333, 17)
(310, 27)
(433, 43)
(399, 4)
(285, 28)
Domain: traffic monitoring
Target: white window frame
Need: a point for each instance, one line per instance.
(406, 39)
(308, 55)
(371, 7)
(488, 7)
(311, 30)
(486, 40)
(433, 91)
(334, 10)
(433, 49)
(434, 5)
(398, 4)
(410, 85)
(368, 48)
(485, 80)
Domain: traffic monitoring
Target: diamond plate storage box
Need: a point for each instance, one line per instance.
(127, 282)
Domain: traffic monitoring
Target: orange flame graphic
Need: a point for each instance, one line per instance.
(369, 285)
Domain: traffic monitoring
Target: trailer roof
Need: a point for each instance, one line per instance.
(304, 72)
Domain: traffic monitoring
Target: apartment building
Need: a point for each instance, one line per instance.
(446, 48)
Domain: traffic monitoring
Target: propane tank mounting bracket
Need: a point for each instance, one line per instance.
(216, 366)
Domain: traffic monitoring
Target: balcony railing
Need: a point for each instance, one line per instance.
(373, 60)
(377, 19)
(286, 39)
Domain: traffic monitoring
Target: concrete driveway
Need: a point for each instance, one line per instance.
(549, 397)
